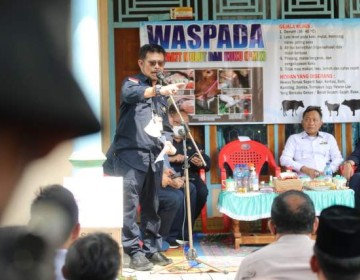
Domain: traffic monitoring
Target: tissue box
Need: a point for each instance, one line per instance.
(288, 184)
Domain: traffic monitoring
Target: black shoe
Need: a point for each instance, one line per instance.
(173, 245)
(139, 262)
(159, 259)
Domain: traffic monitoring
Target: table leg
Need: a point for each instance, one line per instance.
(236, 232)
(249, 238)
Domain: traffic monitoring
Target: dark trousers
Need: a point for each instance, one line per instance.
(354, 184)
(179, 227)
(170, 200)
(139, 187)
(201, 194)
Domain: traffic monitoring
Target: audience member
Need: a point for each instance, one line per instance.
(55, 215)
(136, 145)
(337, 251)
(93, 257)
(23, 255)
(307, 152)
(352, 173)
(41, 104)
(195, 165)
(171, 206)
(292, 221)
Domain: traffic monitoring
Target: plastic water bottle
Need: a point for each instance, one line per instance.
(245, 178)
(328, 172)
(253, 179)
(271, 181)
(237, 174)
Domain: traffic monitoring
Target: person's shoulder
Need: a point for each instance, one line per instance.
(260, 256)
(261, 252)
(294, 136)
(136, 79)
(326, 135)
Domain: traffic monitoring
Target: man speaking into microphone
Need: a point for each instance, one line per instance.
(132, 155)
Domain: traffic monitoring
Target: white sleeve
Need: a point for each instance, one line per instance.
(287, 156)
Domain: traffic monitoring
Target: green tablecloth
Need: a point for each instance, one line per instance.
(254, 206)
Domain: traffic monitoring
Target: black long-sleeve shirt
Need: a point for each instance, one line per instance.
(131, 142)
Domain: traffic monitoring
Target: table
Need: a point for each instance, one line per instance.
(255, 206)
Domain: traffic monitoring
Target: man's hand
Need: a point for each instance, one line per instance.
(196, 160)
(179, 158)
(177, 183)
(171, 88)
(166, 177)
(169, 148)
(312, 173)
(348, 170)
(167, 180)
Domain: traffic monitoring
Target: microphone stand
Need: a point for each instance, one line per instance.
(191, 254)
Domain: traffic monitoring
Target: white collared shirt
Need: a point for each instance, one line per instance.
(59, 263)
(311, 151)
(287, 258)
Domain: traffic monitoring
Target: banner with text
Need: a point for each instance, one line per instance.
(263, 71)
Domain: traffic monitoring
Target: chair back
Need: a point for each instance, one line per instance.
(237, 152)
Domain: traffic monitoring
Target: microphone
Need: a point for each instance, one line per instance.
(160, 75)
(179, 130)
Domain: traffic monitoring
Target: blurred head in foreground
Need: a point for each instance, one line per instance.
(23, 255)
(55, 215)
(337, 246)
(95, 256)
(41, 104)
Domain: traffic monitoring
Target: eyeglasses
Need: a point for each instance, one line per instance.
(161, 63)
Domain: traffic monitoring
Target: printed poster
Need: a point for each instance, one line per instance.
(261, 71)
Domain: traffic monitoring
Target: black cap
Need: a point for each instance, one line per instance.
(338, 234)
(37, 89)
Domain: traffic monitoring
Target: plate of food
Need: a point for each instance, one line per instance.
(317, 188)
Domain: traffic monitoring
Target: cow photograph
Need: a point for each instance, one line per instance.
(353, 104)
(292, 105)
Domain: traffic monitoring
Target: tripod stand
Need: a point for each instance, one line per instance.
(191, 254)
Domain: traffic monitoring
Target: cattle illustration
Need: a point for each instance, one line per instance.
(333, 107)
(353, 104)
(291, 105)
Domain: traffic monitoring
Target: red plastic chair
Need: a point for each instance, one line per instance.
(204, 210)
(237, 152)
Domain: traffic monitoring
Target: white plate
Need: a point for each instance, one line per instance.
(248, 194)
(320, 188)
(267, 190)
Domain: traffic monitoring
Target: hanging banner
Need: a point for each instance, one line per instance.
(263, 71)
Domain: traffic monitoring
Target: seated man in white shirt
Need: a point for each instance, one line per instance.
(307, 152)
(292, 221)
